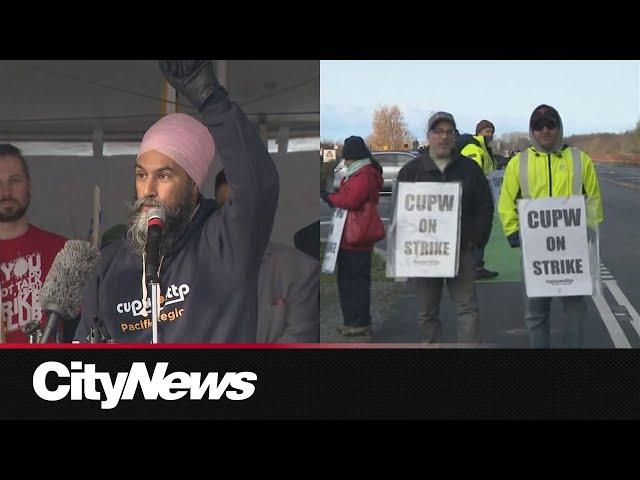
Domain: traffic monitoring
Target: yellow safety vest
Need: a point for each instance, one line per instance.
(480, 154)
(533, 174)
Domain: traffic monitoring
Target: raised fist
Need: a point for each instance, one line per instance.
(192, 78)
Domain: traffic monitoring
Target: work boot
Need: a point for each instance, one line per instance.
(349, 331)
(484, 274)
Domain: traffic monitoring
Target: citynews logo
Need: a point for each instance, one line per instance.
(176, 385)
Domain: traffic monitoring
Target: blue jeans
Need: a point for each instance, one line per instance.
(536, 317)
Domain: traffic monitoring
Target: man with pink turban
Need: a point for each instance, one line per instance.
(209, 256)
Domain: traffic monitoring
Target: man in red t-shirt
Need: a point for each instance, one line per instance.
(26, 252)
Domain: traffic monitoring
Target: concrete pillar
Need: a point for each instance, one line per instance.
(283, 139)
(98, 143)
(169, 98)
(263, 128)
(222, 72)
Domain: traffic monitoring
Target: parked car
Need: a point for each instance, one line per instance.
(391, 163)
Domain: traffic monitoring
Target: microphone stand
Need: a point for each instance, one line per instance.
(155, 303)
(152, 260)
(153, 284)
(55, 312)
(33, 330)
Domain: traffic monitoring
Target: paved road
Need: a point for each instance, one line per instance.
(612, 322)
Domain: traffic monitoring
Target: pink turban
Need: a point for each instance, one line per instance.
(183, 139)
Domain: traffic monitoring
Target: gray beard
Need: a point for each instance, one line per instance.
(177, 220)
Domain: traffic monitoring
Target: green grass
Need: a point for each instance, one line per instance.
(500, 257)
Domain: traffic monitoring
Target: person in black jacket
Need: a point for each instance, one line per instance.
(307, 240)
(441, 162)
(211, 256)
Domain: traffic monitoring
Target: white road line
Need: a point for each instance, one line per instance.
(615, 331)
(612, 325)
(620, 297)
(622, 184)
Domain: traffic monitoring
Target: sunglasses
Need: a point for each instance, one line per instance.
(549, 124)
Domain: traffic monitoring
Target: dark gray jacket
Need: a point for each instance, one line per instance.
(209, 281)
(288, 296)
(477, 202)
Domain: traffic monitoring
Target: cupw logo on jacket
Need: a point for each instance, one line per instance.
(170, 309)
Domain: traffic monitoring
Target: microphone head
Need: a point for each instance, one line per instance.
(156, 216)
(73, 266)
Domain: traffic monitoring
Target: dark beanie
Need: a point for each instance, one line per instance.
(355, 149)
(484, 124)
(546, 112)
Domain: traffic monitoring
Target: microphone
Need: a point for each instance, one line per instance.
(61, 293)
(155, 224)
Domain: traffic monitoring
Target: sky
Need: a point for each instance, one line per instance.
(591, 95)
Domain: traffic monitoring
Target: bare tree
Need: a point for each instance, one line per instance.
(514, 140)
(389, 130)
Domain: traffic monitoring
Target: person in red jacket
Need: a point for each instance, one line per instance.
(361, 184)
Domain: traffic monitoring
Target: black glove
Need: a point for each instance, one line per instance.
(514, 239)
(324, 195)
(192, 78)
